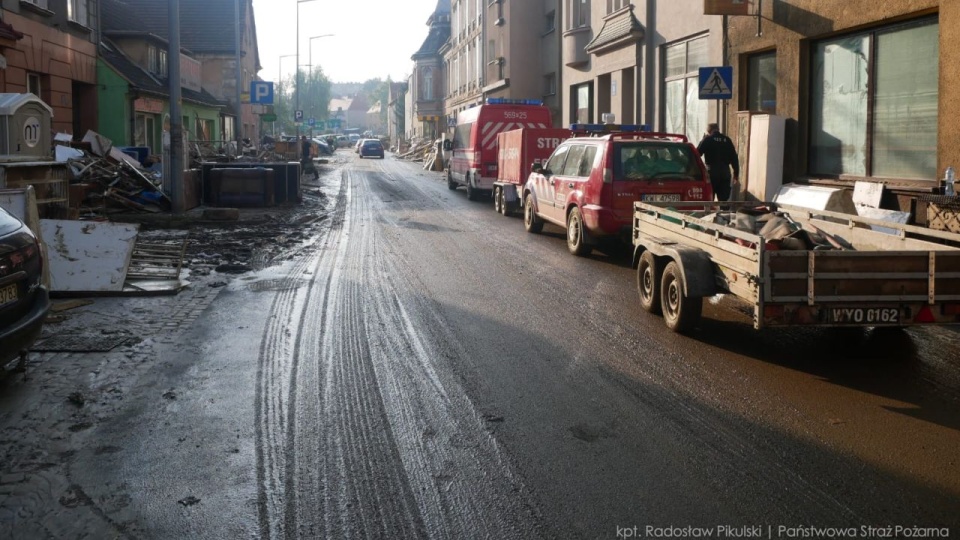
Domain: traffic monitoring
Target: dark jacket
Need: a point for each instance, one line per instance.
(719, 154)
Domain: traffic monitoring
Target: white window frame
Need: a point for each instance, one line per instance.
(38, 3)
(78, 11)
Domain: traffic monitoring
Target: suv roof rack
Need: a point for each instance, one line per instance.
(624, 132)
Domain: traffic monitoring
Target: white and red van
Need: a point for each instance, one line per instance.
(474, 160)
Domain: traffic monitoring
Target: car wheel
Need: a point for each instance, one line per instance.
(648, 283)
(531, 222)
(451, 185)
(576, 234)
(497, 200)
(473, 194)
(680, 312)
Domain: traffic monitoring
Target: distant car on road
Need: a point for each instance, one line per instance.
(371, 147)
(23, 298)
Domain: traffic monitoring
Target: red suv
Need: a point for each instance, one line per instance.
(589, 184)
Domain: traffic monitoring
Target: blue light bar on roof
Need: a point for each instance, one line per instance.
(506, 101)
(610, 128)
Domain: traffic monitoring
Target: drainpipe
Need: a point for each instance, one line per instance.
(649, 93)
(133, 117)
(176, 116)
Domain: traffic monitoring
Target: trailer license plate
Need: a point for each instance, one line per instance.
(864, 315)
(8, 294)
(661, 197)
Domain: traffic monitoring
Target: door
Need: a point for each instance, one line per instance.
(545, 184)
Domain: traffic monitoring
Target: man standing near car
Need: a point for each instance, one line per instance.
(720, 155)
(306, 160)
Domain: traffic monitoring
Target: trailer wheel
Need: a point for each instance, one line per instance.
(451, 185)
(504, 209)
(648, 283)
(531, 222)
(576, 234)
(680, 312)
(497, 199)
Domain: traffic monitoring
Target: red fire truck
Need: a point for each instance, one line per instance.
(474, 160)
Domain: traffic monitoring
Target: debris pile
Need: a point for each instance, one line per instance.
(425, 151)
(778, 230)
(106, 179)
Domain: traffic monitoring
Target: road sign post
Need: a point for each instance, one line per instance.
(716, 82)
(261, 92)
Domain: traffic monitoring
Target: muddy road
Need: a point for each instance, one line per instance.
(422, 367)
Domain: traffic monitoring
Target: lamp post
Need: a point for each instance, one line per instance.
(279, 80)
(310, 47)
(297, 82)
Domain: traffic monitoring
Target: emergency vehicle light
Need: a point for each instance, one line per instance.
(609, 128)
(507, 101)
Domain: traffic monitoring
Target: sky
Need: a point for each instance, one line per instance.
(371, 38)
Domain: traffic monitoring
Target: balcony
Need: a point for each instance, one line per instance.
(574, 46)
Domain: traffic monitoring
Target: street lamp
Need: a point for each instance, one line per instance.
(297, 84)
(310, 47)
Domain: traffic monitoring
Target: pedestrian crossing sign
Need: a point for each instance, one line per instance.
(716, 82)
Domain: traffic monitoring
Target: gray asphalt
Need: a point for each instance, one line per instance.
(429, 369)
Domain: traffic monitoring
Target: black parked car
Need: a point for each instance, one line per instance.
(370, 147)
(23, 298)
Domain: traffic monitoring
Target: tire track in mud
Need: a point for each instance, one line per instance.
(358, 434)
(276, 385)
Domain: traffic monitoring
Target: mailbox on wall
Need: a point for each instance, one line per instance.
(24, 125)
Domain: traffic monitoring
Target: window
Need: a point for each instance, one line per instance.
(685, 112)
(550, 84)
(162, 63)
(146, 132)
(615, 5)
(555, 164)
(77, 11)
(152, 59)
(579, 14)
(874, 103)
(582, 103)
(427, 90)
(572, 166)
(550, 22)
(762, 82)
(38, 3)
(33, 84)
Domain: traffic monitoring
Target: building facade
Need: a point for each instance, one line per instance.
(214, 50)
(866, 89)
(48, 48)
(638, 62)
(134, 97)
(427, 86)
(521, 59)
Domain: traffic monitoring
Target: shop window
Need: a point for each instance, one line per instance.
(762, 82)
(685, 112)
(874, 103)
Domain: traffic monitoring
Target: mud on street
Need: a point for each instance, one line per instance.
(392, 360)
(47, 413)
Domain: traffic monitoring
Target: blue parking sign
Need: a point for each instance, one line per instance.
(261, 92)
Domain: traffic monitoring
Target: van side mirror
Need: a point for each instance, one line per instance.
(537, 168)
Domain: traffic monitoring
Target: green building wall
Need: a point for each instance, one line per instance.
(114, 109)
